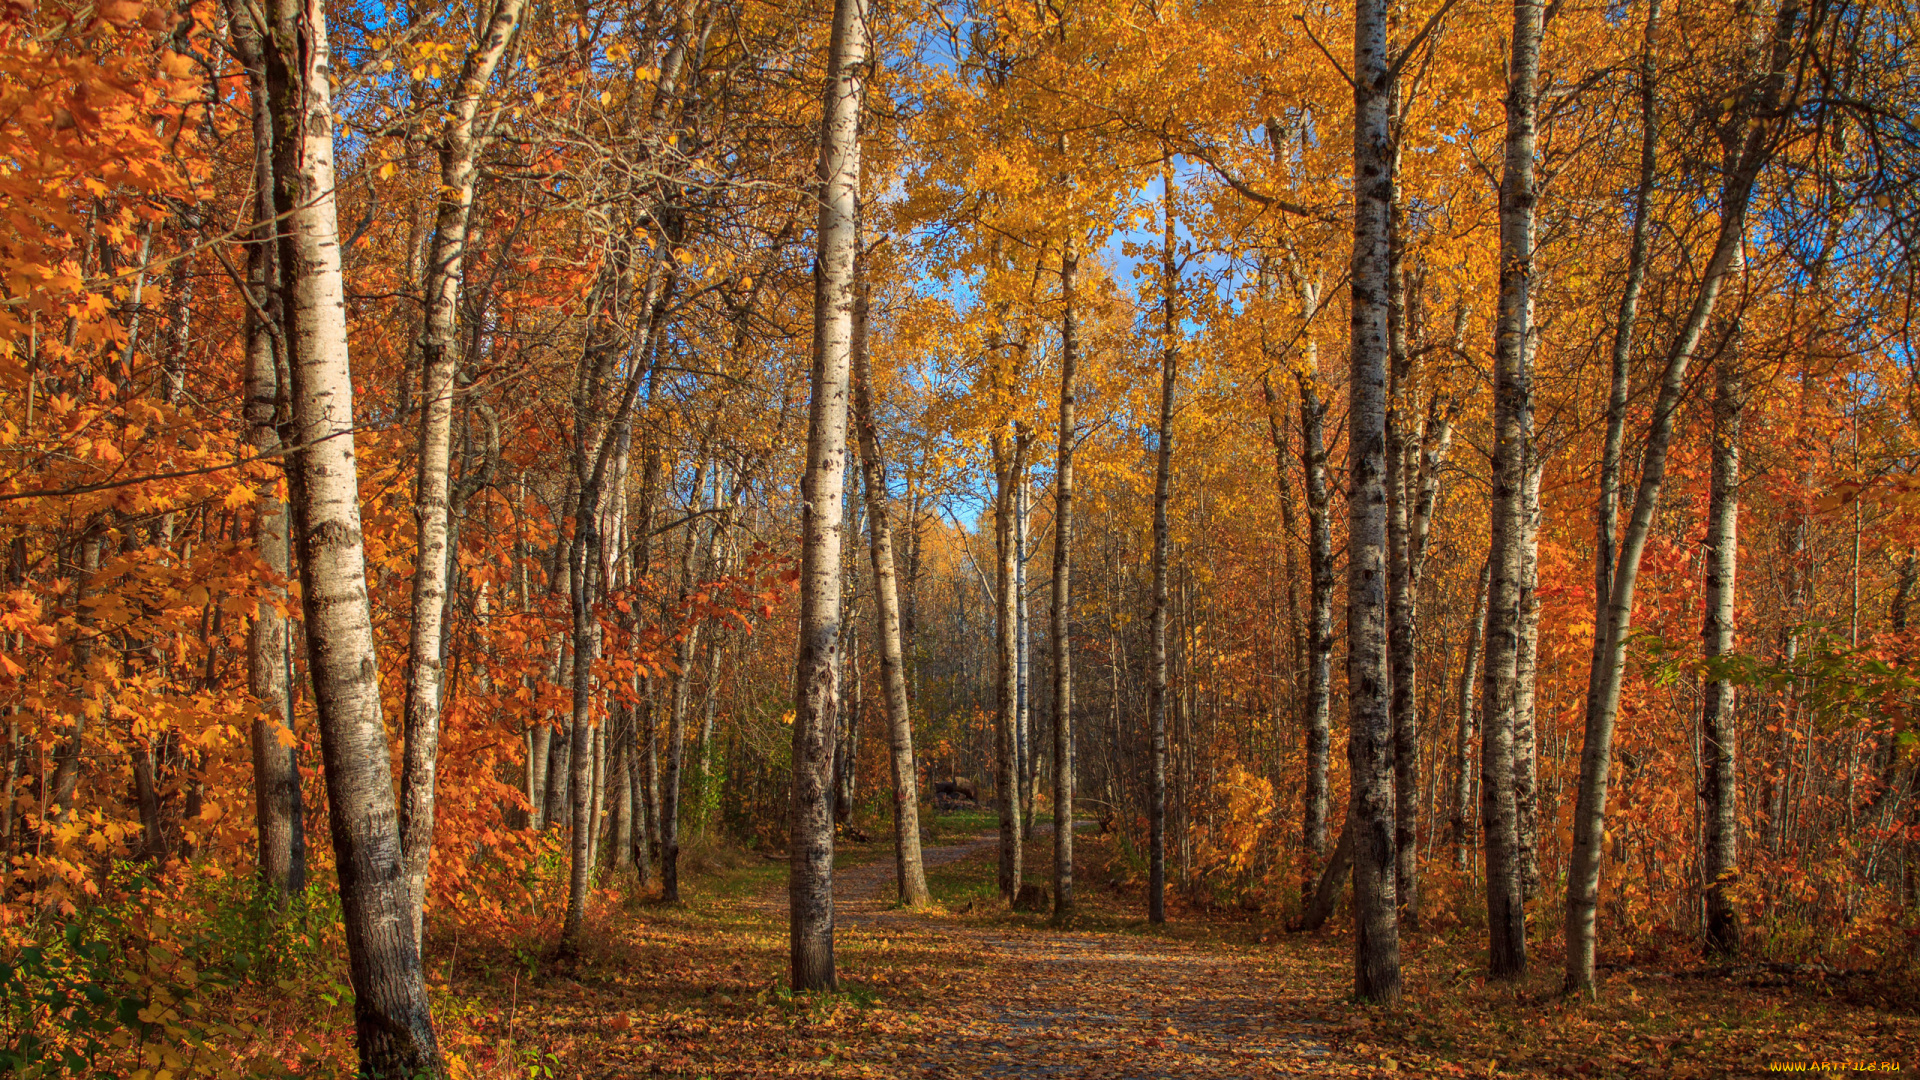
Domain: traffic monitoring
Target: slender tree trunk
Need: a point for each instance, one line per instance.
(1318, 710)
(692, 563)
(710, 708)
(1064, 766)
(1463, 734)
(1370, 724)
(1162, 545)
(910, 872)
(1403, 444)
(1023, 705)
(1012, 868)
(623, 792)
(279, 816)
(391, 1017)
(583, 586)
(1326, 891)
(1526, 664)
(1716, 639)
(1512, 422)
(539, 750)
(1759, 117)
(439, 351)
(810, 889)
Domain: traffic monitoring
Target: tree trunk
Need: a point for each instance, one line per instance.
(1162, 544)
(910, 873)
(1716, 640)
(539, 750)
(439, 351)
(623, 792)
(1526, 665)
(279, 815)
(583, 584)
(692, 563)
(1463, 735)
(1370, 725)
(1318, 718)
(391, 1017)
(1010, 467)
(810, 850)
(1023, 705)
(1757, 116)
(1061, 607)
(1326, 890)
(1513, 431)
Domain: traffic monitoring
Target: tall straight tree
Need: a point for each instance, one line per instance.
(1063, 764)
(1162, 490)
(810, 847)
(1716, 640)
(1758, 117)
(458, 148)
(1010, 466)
(1512, 430)
(1376, 956)
(908, 867)
(393, 1025)
(1318, 709)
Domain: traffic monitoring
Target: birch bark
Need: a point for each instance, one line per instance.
(1370, 725)
(458, 150)
(1061, 607)
(391, 1015)
(1761, 117)
(810, 849)
(1716, 639)
(1512, 423)
(1162, 544)
(908, 868)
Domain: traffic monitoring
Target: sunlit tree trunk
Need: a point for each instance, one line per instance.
(1162, 546)
(1716, 639)
(1058, 639)
(1526, 665)
(1010, 464)
(1512, 432)
(1317, 711)
(391, 1018)
(909, 871)
(1370, 724)
(459, 146)
(1756, 141)
(692, 564)
(810, 849)
(1402, 459)
(1464, 728)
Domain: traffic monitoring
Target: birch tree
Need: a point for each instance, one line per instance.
(910, 872)
(810, 847)
(459, 144)
(1512, 424)
(1760, 119)
(1370, 725)
(393, 1025)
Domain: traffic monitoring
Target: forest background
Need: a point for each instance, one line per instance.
(1565, 349)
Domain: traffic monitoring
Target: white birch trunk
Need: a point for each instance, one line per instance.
(391, 1016)
(1370, 726)
(439, 351)
(810, 849)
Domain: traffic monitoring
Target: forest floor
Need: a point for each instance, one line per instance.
(697, 989)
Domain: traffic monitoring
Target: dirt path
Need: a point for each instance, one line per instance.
(1079, 1004)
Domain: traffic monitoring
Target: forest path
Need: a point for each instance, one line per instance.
(1042, 1002)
